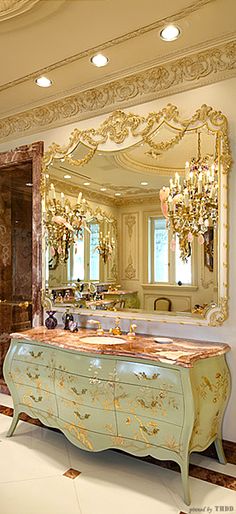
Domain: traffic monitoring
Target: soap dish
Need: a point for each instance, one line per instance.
(163, 340)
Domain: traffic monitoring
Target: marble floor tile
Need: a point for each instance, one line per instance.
(51, 495)
(131, 488)
(32, 452)
(204, 495)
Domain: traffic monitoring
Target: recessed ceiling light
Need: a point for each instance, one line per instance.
(117, 194)
(170, 33)
(47, 175)
(86, 183)
(67, 176)
(43, 82)
(103, 189)
(144, 183)
(99, 60)
(29, 184)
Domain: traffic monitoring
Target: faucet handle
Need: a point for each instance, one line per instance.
(131, 334)
(100, 330)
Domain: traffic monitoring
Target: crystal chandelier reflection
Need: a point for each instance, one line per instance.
(105, 247)
(64, 223)
(191, 208)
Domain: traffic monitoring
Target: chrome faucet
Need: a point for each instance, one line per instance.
(99, 330)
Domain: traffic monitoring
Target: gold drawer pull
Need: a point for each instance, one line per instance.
(148, 431)
(39, 399)
(86, 416)
(35, 355)
(152, 404)
(142, 374)
(34, 377)
(83, 391)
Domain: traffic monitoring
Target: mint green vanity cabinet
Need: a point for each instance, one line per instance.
(103, 401)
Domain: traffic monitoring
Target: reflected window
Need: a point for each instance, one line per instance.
(161, 250)
(84, 258)
(78, 259)
(164, 265)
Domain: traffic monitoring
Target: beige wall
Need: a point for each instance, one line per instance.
(222, 97)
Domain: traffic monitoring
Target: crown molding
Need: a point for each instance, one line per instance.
(96, 196)
(11, 8)
(158, 24)
(196, 70)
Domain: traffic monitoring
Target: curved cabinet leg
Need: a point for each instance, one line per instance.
(220, 451)
(185, 480)
(14, 422)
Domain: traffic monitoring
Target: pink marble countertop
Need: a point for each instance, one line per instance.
(183, 352)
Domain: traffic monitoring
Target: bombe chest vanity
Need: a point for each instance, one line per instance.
(140, 396)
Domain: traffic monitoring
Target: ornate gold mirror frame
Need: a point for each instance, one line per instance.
(121, 130)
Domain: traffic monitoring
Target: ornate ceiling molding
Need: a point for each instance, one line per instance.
(158, 24)
(12, 8)
(125, 160)
(190, 72)
(96, 196)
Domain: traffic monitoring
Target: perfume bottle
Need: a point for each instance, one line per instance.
(51, 321)
(66, 318)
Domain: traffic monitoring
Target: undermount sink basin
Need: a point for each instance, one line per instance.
(102, 340)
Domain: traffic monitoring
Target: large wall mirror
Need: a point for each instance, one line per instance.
(135, 217)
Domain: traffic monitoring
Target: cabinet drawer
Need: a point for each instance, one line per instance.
(34, 353)
(149, 375)
(153, 403)
(85, 391)
(101, 421)
(152, 432)
(92, 367)
(32, 375)
(37, 399)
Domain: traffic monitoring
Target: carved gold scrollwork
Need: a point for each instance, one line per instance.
(46, 301)
(220, 314)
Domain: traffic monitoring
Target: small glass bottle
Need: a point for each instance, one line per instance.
(51, 321)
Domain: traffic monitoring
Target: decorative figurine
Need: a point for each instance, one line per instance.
(73, 327)
(51, 321)
(66, 318)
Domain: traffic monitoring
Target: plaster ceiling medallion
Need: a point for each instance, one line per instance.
(12, 8)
